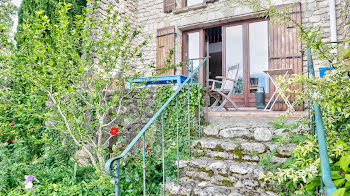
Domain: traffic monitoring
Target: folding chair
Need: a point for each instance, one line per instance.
(222, 95)
(278, 72)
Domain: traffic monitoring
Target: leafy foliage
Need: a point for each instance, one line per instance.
(28, 8)
(55, 171)
(7, 9)
(73, 70)
(190, 95)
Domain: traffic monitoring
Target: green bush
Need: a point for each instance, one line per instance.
(301, 173)
(55, 171)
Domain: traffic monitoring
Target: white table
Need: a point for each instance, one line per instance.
(278, 72)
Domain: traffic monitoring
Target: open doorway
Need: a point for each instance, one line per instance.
(214, 44)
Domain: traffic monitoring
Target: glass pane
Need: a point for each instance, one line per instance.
(258, 38)
(234, 54)
(192, 50)
(193, 2)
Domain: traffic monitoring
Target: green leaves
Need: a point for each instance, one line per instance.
(347, 177)
(339, 192)
(344, 162)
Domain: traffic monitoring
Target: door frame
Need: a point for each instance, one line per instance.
(247, 97)
(201, 51)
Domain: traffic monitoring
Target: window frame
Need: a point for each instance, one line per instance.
(184, 3)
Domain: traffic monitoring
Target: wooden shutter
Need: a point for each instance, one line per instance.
(165, 42)
(285, 49)
(169, 5)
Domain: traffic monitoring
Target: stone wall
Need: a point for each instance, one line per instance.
(123, 7)
(136, 111)
(150, 15)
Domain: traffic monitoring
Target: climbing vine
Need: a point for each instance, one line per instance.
(163, 93)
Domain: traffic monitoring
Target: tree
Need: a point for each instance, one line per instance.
(7, 9)
(74, 69)
(29, 7)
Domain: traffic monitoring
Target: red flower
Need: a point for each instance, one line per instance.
(147, 148)
(12, 124)
(113, 131)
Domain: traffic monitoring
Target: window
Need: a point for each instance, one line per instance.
(193, 2)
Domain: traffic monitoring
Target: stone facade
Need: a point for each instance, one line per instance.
(151, 16)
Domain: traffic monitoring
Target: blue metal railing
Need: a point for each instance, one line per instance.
(112, 166)
(325, 167)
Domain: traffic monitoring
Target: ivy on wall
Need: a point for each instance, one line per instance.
(163, 93)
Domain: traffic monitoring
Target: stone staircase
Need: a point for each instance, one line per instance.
(225, 160)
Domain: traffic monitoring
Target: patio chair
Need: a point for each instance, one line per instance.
(222, 95)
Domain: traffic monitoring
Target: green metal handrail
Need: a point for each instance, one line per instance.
(112, 166)
(325, 167)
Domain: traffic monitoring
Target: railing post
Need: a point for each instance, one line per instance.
(163, 140)
(325, 167)
(116, 180)
(207, 98)
(177, 138)
(144, 163)
(189, 112)
(199, 108)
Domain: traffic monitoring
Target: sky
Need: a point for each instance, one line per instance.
(17, 3)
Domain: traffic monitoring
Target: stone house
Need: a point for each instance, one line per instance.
(230, 34)
(230, 148)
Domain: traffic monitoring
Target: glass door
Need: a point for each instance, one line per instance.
(192, 51)
(246, 44)
(258, 57)
(233, 55)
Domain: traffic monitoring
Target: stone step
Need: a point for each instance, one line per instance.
(238, 146)
(239, 149)
(205, 168)
(261, 134)
(190, 187)
(225, 162)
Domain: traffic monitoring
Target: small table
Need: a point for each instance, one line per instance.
(175, 79)
(278, 72)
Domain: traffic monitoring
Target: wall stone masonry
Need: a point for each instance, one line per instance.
(135, 112)
(151, 16)
(225, 160)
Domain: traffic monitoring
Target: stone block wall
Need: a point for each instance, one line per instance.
(136, 111)
(150, 15)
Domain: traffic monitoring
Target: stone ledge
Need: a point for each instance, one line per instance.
(190, 8)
